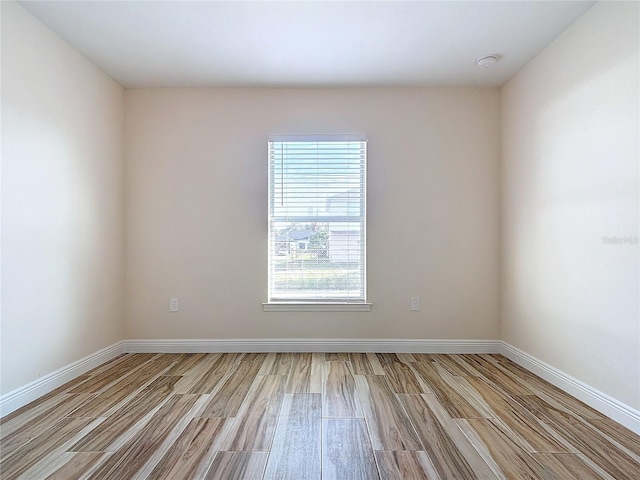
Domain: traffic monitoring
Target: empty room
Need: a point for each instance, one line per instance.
(309, 240)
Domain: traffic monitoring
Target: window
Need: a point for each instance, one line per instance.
(317, 220)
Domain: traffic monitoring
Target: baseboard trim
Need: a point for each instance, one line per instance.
(312, 345)
(32, 391)
(609, 406)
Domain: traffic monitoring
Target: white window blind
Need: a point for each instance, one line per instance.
(317, 219)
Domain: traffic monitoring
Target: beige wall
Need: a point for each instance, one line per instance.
(569, 178)
(62, 210)
(196, 227)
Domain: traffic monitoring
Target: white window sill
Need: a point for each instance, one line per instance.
(316, 307)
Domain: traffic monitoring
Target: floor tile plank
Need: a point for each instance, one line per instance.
(615, 462)
(360, 364)
(299, 379)
(76, 465)
(457, 385)
(544, 389)
(336, 357)
(193, 452)
(255, 424)
(400, 375)
(227, 399)
(339, 397)
(112, 396)
(346, 450)
(403, 465)
(133, 455)
(566, 466)
(528, 430)
(510, 384)
(423, 357)
(459, 369)
(119, 423)
(282, 364)
(442, 451)
(625, 437)
(512, 460)
(117, 371)
(185, 363)
(375, 364)
(316, 380)
(216, 370)
(47, 420)
(25, 457)
(19, 417)
(451, 400)
(484, 468)
(389, 426)
(238, 466)
(295, 452)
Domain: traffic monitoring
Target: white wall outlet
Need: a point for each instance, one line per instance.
(414, 304)
(173, 304)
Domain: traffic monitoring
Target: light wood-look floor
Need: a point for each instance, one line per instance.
(306, 416)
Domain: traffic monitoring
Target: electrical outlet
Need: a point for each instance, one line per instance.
(414, 304)
(173, 304)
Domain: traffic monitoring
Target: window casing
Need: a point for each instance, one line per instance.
(317, 219)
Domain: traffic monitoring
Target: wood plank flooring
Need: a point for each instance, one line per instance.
(313, 416)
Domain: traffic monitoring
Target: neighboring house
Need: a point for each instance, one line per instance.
(344, 237)
(344, 204)
(292, 241)
(344, 244)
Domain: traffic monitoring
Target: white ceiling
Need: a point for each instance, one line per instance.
(306, 43)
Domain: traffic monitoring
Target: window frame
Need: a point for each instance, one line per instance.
(318, 304)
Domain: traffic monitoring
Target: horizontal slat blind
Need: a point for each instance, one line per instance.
(317, 219)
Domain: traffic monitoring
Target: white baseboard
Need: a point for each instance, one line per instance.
(47, 383)
(612, 408)
(313, 345)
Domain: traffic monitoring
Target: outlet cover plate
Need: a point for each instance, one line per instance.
(414, 304)
(173, 305)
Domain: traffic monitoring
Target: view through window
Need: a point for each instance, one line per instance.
(317, 220)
